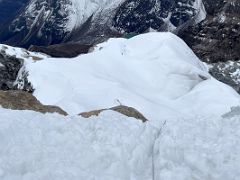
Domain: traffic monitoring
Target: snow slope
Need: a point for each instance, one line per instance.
(156, 73)
(185, 138)
(112, 146)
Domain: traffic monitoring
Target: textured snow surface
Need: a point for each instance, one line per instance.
(154, 72)
(204, 147)
(185, 138)
(53, 147)
(112, 146)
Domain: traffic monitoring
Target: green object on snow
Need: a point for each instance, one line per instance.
(130, 35)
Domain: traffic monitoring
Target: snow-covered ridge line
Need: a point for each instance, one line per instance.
(150, 71)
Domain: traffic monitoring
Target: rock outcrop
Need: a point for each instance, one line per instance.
(217, 38)
(12, 73)
(20, 100)
(67, 50)
(125, 110)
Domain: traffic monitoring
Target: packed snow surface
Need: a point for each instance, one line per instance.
(114, 147)
(185, 138)
(52, 147)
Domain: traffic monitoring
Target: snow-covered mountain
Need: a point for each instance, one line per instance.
(160, 15)
(188, 134)
(44, 22)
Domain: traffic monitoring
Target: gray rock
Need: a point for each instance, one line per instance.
(9, 70)
(227, 72)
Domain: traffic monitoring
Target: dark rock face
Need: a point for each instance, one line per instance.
(68, 50)
(9, 68)
(217, 38)
(44, 22)
(125, 110)
(138, 16)
(227, 72)
(19, 100)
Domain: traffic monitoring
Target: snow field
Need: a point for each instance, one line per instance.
(111, 146)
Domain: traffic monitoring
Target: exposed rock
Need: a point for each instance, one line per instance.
(67, 50)
(9, 68)
(227, 72)
(218, 37)
(12, 75)
(92, 113)
(20, 100)
(44, 22)
(125, 110)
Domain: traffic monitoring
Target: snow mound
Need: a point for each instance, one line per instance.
(154, 72)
